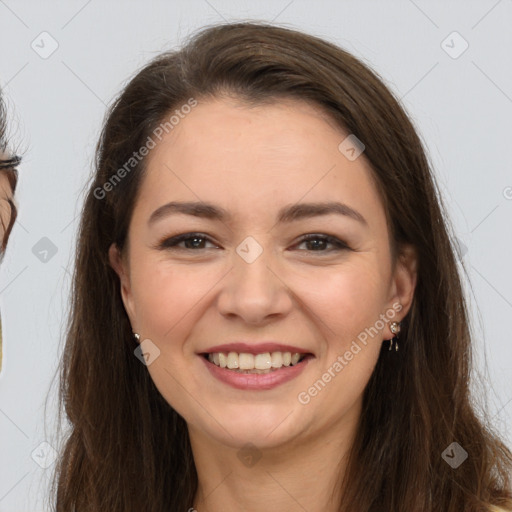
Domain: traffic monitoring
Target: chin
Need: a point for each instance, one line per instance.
(262, 425)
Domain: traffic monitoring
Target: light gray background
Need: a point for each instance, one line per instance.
(462, 107)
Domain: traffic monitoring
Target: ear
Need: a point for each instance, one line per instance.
(118, 263)
(403, 284)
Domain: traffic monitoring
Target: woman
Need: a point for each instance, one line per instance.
(8, 180)
(267, 311)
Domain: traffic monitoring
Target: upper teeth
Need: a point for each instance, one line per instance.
(244, 361)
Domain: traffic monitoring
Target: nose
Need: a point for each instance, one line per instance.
(254, 290)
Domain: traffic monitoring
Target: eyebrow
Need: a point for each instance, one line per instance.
(286, 214)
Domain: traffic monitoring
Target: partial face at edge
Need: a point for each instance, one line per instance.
(315, 295)
(6, 195)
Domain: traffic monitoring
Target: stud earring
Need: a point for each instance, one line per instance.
(136, 336)
(395, 329)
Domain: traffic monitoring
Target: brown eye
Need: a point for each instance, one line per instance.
(192, 241)
(318, 243)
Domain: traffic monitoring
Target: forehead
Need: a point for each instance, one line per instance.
(256, 158)
(235, 130)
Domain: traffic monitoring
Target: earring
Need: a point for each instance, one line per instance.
(136, 336)
(395, 329)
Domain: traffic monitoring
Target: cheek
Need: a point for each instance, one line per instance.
(346, 299)
(5, 214)
(168, 295)
(168, 300)
(348, 306)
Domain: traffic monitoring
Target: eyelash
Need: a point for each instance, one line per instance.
(171, 243)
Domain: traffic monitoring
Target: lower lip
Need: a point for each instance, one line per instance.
(257, 381)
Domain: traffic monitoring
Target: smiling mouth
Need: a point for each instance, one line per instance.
(266, 362)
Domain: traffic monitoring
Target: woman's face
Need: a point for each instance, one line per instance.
(248, 278)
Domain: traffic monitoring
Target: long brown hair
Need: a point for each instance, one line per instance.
(127, 449)
(8, 168)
